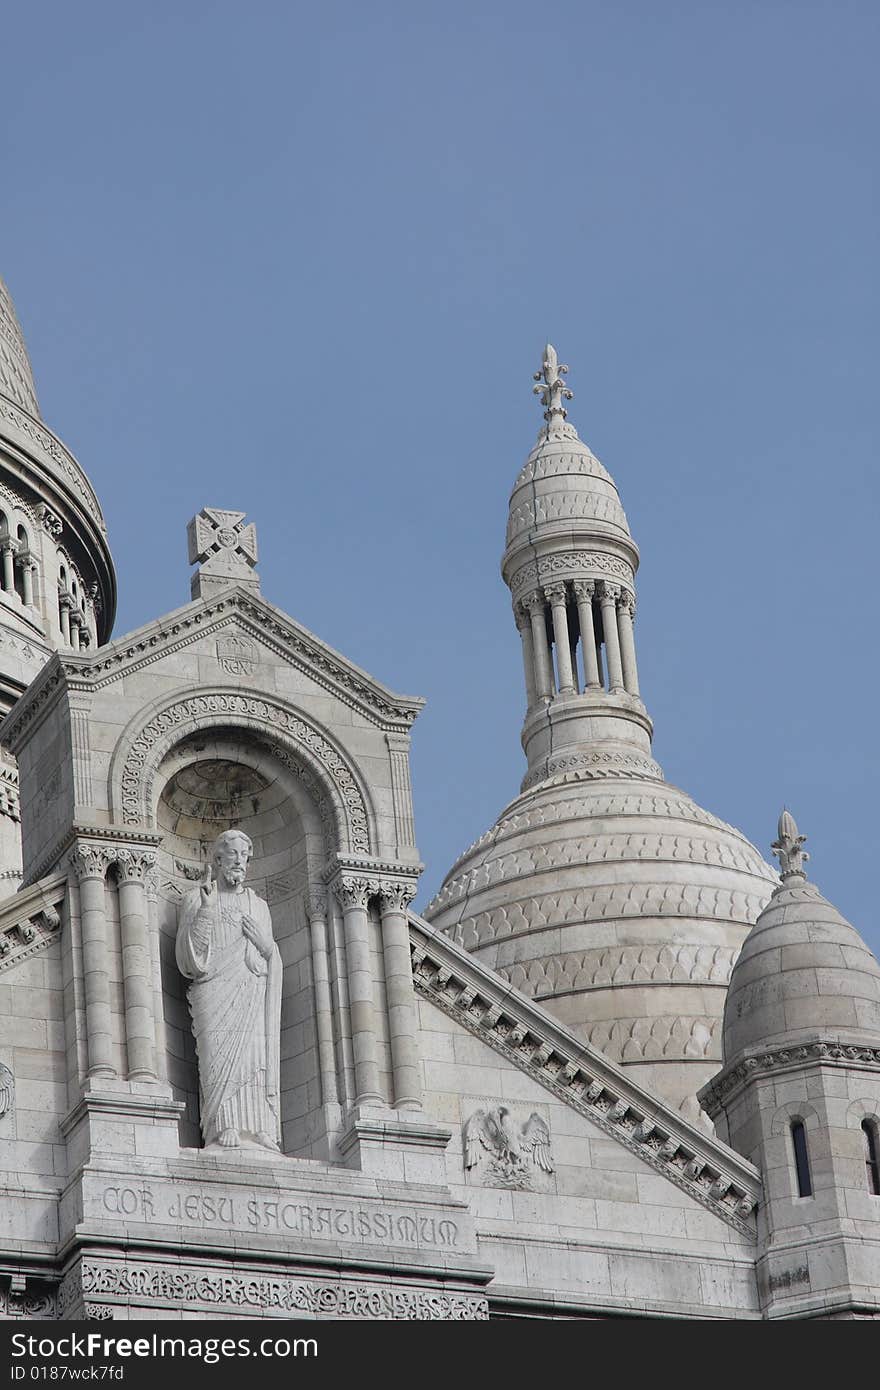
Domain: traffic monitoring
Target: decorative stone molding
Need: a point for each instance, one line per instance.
(19, 1301)
(135, 767)
(607, 902)
(584, 1080)
(537, 572)
(599, 849)
(257, 619)
(590, 766)
(606, 968)
(179, 1285)
(29, 921)
(50, 445)
(667, 1038)
(819, 1052)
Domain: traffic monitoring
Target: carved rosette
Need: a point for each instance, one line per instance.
(134, 866)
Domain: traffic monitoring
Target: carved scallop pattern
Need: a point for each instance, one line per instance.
(667, 1038)
(625, 965)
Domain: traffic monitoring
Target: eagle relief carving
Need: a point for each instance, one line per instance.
(518, 1150)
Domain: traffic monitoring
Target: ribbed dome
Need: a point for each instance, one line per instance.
(617, 902)
(16, 376)
(563, 484)
(803, 972)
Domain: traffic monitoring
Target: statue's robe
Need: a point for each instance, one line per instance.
(235, 1002)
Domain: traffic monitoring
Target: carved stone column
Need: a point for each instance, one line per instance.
(90, 864)
(524, 627)
(75, 622)
(65, 604)
(400, 994)
(354, 893)
(133, 867)
(534, 604)
(625, 615)
(8, 549)
(317, 912)
(151, 893)
(608, 596)
(583, 592)
(555, 595)
(26, 566)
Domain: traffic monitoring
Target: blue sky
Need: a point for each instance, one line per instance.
(301, 260)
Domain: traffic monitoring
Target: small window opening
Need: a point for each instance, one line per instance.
(801, 1159)
(872, 1160)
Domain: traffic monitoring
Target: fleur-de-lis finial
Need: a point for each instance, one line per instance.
(787, 848)
(552, 389)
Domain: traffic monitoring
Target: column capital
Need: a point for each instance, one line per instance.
(134, 865)
(521, 617)
(316, 904)
(396, 896)
(555, 593)
(628, 602)
(91, 861)
(9, 543)
(584, 589)
(353, 889)
(608, 593)
(533, 602)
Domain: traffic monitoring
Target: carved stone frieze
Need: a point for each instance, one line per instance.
(607, 902)
(590, 766)
(569, 562)
(608, 967)
(26, 1298)
(179, 1285)
(818, 1052)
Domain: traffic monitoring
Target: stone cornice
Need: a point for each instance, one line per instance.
(253, 614)
(109, 836)
(815, 1052)
(30, 920)
(719, 1179)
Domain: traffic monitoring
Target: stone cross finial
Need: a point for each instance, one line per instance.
(787, 848)
(224, 548)
(551, 388)
(553, 391)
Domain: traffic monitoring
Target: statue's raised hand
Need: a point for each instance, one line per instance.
(208, 888)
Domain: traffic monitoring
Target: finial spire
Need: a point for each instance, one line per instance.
(787, 848)
(553, 391)
(225, 549)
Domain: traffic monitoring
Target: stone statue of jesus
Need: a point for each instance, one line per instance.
(226, 950)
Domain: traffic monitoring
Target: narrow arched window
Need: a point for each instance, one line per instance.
(801, 1159)
(872, 1159)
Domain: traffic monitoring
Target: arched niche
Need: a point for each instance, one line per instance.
(213, 781)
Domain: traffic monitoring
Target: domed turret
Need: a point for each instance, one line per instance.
(57, 582)
(603, 892)
(799, 1096)
(802, 970)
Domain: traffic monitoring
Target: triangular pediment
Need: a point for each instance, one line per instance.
(242, 623)
(582, 1077)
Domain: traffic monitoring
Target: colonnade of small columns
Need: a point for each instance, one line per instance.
(18, 569)
(607, 644)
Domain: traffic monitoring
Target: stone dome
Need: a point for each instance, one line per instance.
(16, 376)
(618, 903)
(803, 972)
(563, 483)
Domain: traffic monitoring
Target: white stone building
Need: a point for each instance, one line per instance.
(617, 1069)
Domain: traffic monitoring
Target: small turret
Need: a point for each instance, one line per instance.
(799, 1095)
